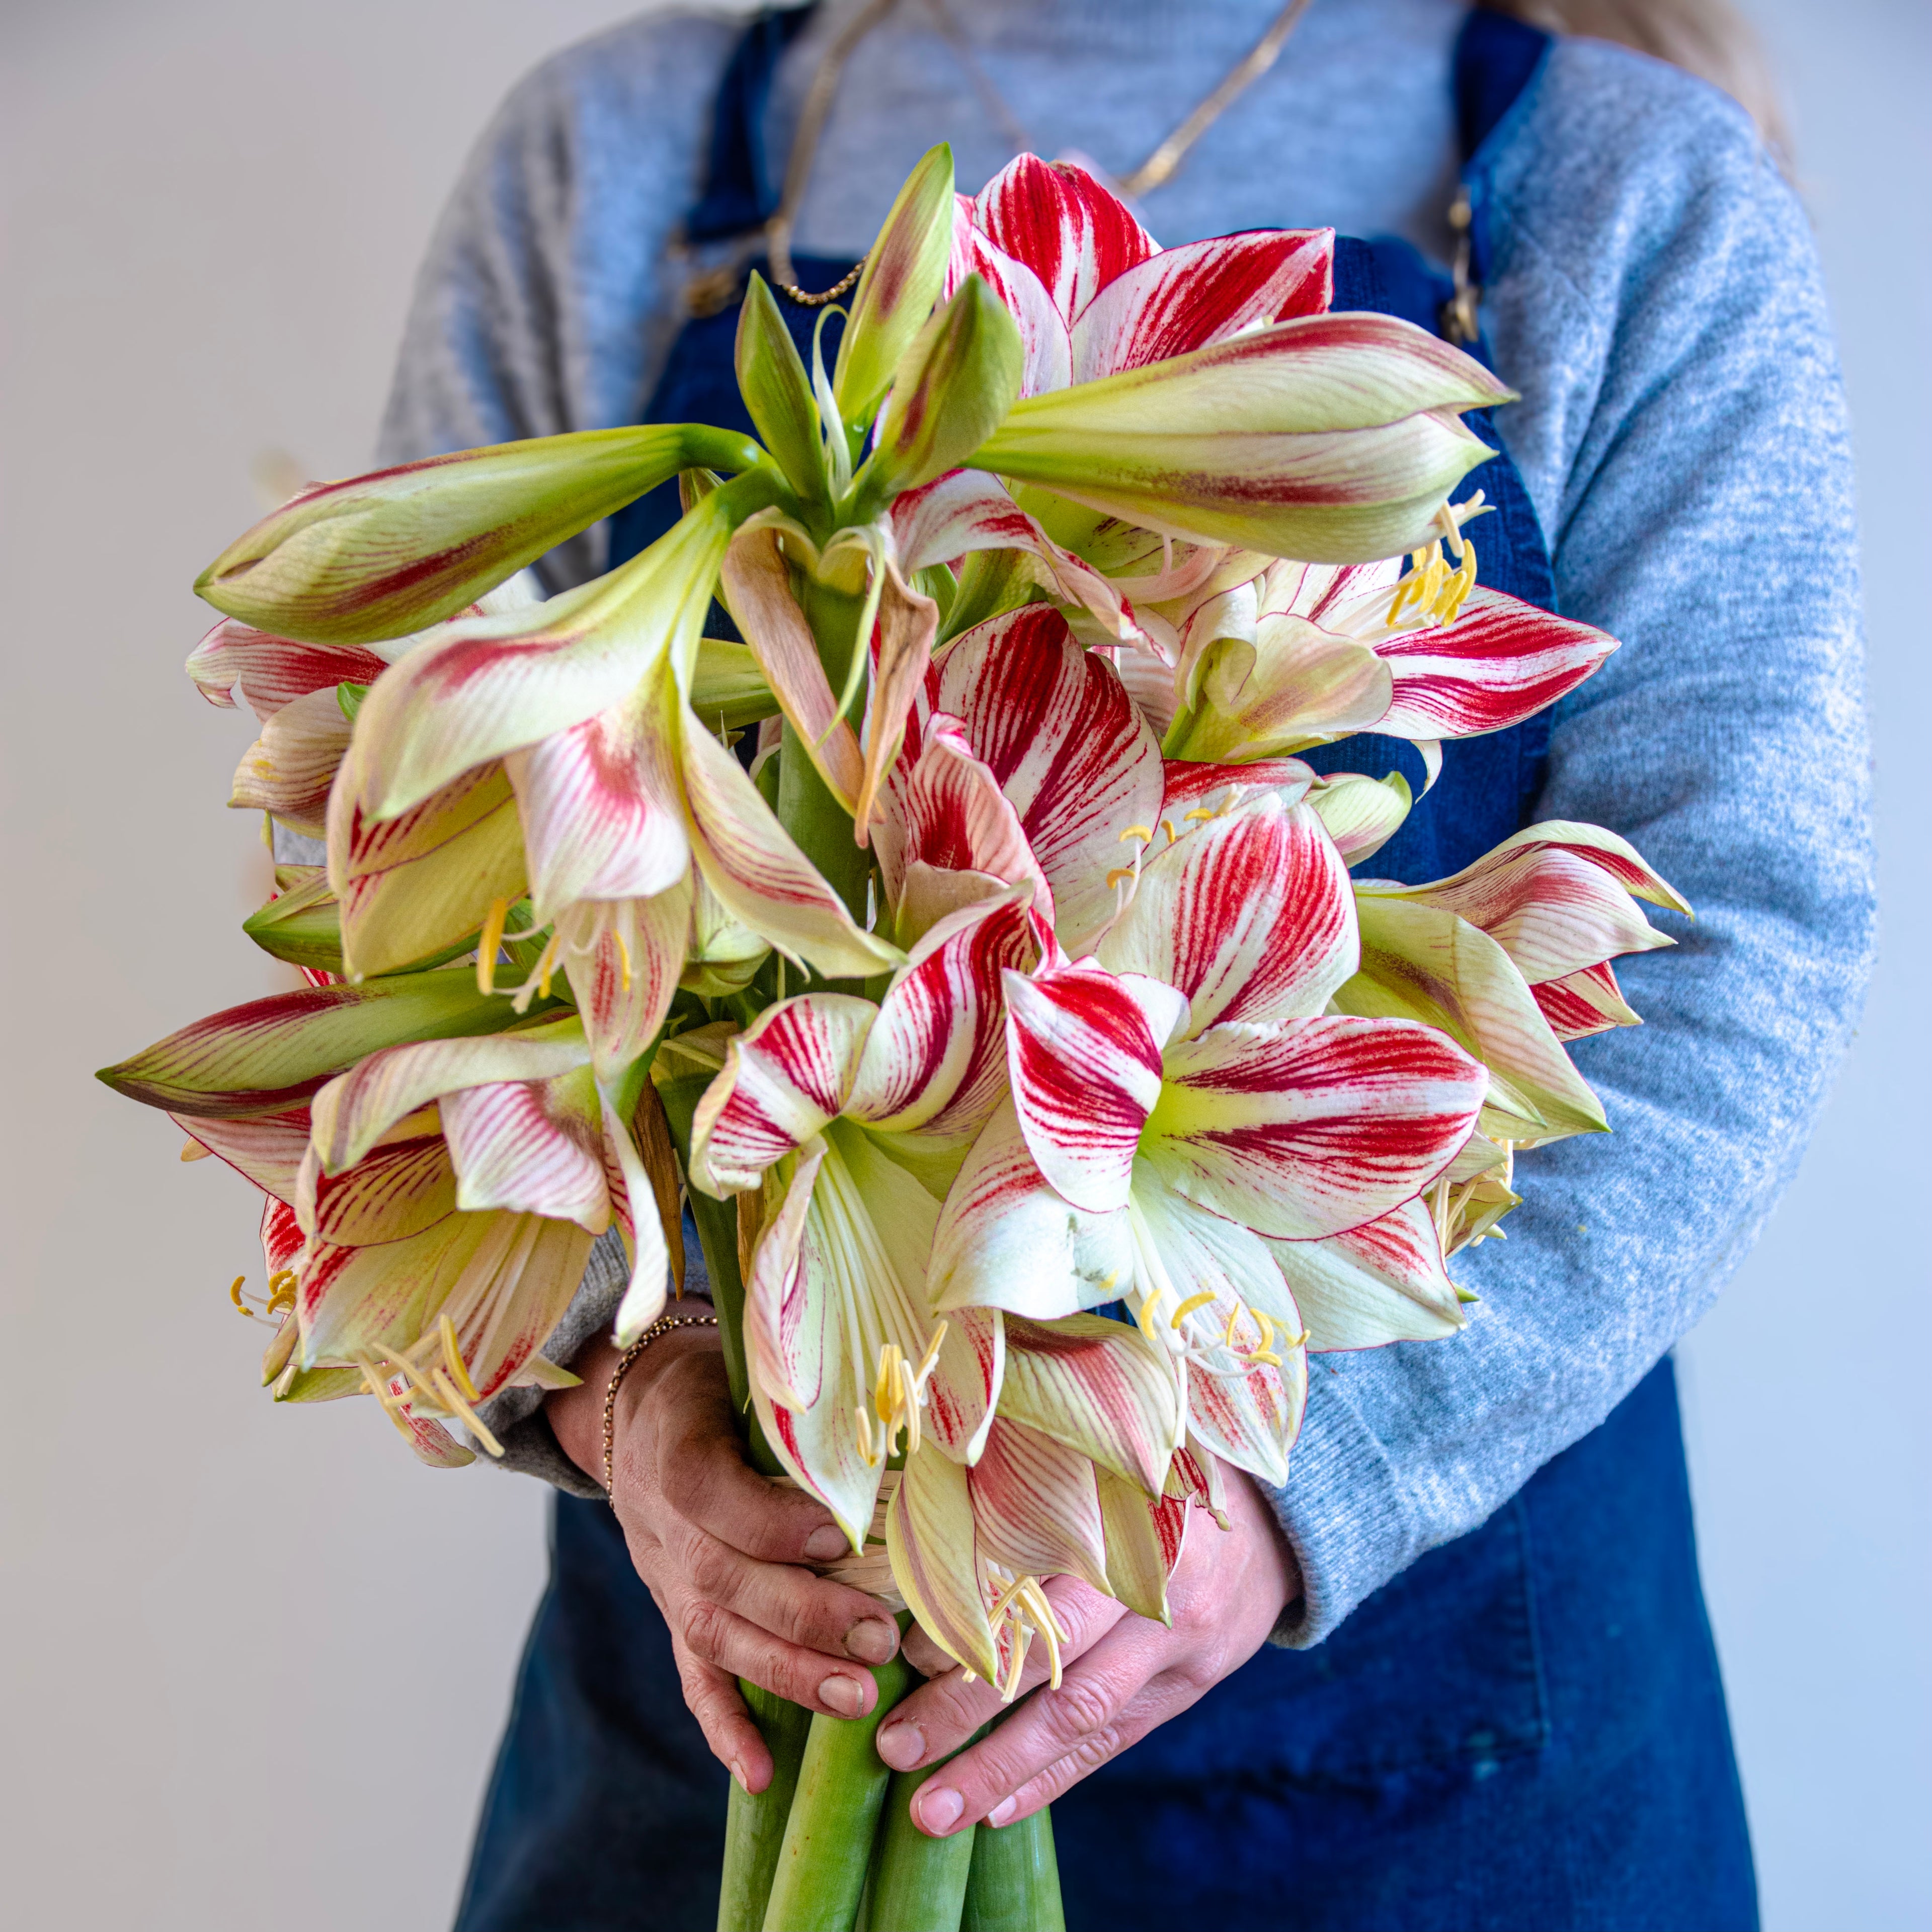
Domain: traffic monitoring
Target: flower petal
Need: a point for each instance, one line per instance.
(533, 1147)
(1582, 1004)
(1098, 1386)
(623, 958)
(1144, 1541)
(269, 671)
(1006, 1240)
(784, 1079)
(1251, 916)
(266, 1149)
(1054, 725)
(1501, 661)
(1361, 814)
(1383, 1281)
(1046, 353)
(1054, 217)
(1036, 1510)
(1085, 1070)
(936, 1562)
(398, 1190)
(901, 647)
(1203, 292)
(1304, 1128)
(289, 768)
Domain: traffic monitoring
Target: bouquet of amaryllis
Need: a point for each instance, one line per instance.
(1043, 1087)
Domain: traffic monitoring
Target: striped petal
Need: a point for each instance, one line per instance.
(785, 1318)
(966, 1381)
(266, 1057)
(929, 1537)
(1501, 661)
(623, 958)
(352, 1112)
(601, 817)
(761, 878)
(533, 1147)
(1055, 218)
(901, 648)
(1203, 292)
(1617, 856)
(1036, 1508)
(783, 1080)
(1305, 1127)
(1085, 1070)
(1251, 917)
(1006, 1240)
(1383, 1281)
(1193, 792)
(1144, 1538)
(1250, 1420)
(1361, 814)
(399, 1189)
(269, 671)
(288, 770)
(1055, 727)
(758, 584)
(934, 1060)
(1096, 1387)
(1046, 352)
(1420, 962)
(266, 1149)
(1582, 1004)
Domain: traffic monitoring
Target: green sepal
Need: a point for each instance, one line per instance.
(350, 696)
(777, 393)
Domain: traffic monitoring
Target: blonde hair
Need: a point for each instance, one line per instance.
(1709, 38)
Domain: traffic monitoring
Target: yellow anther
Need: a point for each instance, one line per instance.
(862, 1430)
(452, 1356)
(1167, 826)
(444, 1391)
(1145, 833)
(1203, 812)
(624, 955)
(1204, 1299)
(281, 1290)
(235, 1288)
(1146, 1315)
(489, 941)
(1120, 872)
(546, 966)
(1267, 1355)
(194, 1150)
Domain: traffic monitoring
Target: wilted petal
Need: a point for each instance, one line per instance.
(1307, 1127)
(901, 649)
(1144, 1540)
(1251, 917)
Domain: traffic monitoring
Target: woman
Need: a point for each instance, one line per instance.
(1491, 1698)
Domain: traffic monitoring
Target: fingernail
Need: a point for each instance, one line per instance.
(902, 1745)
(823, 1544)
(939, 1810)
(737, 1771)
(843, 1694)
(871, 1641)
(1002, 1811)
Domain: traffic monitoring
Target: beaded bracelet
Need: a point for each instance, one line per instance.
(663, 1325)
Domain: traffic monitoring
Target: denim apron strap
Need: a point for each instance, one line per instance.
(1525, 1729)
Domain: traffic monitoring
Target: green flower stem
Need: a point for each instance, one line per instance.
(820, 825)
(835, 1816)
(1014, 1882)
(918, 1884)
(754, 1827)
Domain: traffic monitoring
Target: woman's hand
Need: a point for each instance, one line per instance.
(719, 1545)
(1126, 1674)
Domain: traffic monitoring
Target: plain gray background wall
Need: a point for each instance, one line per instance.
(254, 1661)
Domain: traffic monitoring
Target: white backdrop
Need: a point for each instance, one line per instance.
(255, 1660)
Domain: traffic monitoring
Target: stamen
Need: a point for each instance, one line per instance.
(453, 1356)
(1120, 872)
(1145, 833)
(446, 1392)
(235, 1295)
(1167, 826)
(1207, 1296)
(624, 954)
(1203, 812)
(488, 942)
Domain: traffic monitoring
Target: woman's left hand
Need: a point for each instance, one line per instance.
(1123, 1674)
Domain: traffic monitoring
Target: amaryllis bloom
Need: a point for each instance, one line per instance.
(847, 1119)
(620, 788)
(1185, 1116)
(1024, 760)
(1309, 653)
(1070, 1480)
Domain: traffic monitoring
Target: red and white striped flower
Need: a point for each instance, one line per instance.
(848, 1119)
(1186, 1117)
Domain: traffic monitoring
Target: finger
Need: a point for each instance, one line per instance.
(1085, 1713)
(1166, 1697)
(703, 1475)
(924, 1655)
(790, 1603)
(716, 1635)
(713, 1699)
(940, 1716)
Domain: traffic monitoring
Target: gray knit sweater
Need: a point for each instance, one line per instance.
(1655, 297)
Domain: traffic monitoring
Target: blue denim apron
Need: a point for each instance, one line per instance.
(1525, 1730)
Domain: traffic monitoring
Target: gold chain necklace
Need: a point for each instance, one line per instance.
(1158, 166)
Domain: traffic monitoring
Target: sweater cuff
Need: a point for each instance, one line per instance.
(1344, 1513)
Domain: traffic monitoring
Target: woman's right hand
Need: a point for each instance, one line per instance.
(720, 1547)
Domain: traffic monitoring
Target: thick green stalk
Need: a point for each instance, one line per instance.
(918, 1884)
(820, 825)
(754, 1827)
(1015, 1883)
(835, 1816)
